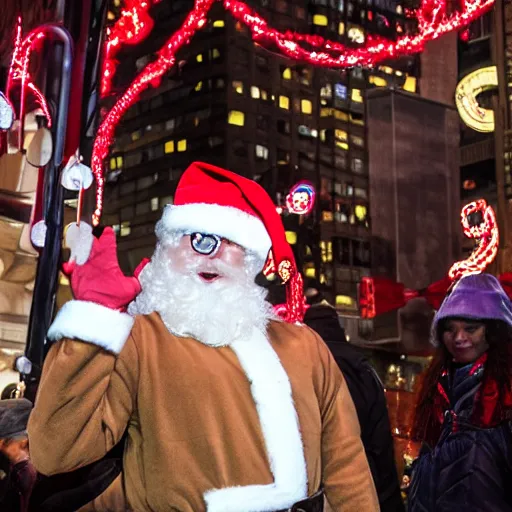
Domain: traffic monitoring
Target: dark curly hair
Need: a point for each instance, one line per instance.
(497, 378)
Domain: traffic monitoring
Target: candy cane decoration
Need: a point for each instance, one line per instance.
(487, 235)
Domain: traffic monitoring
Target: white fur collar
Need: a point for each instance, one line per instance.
(272, 394)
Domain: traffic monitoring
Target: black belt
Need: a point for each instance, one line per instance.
(314, 503)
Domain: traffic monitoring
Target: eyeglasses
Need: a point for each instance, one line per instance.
(208, 245)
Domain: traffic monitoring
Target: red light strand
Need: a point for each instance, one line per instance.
(486, 233)
(132, 27)
(135, 24)
(18, 71)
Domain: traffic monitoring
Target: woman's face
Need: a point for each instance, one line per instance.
(465, 340)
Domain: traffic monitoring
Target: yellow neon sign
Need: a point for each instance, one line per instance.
(476, 117)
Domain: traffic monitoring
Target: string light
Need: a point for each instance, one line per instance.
(486, 233)
(135, 22)
(132, 27)
(18, 70)
(301, 198)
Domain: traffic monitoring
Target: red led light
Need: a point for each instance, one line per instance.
(135, 24)
(18, 70)
(488, 235)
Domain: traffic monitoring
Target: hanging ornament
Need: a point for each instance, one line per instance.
(76, 175)
(301, 198)
(40, 149)
(6, 113)
(38, 234)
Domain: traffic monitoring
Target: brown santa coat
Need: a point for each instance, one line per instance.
(193, 425)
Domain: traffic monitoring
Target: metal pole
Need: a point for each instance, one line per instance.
(48, 263)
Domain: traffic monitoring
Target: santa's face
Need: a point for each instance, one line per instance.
(203, 287)
(208, 256)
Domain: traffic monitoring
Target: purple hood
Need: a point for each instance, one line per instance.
(478, 297)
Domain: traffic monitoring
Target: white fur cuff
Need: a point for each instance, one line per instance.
(90, 322)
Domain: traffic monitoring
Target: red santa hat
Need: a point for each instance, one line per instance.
(212, 200)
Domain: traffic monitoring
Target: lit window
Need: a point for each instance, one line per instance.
(125, 228)
(261, 152)
(218, 23)
(341, 28)
(255, 92)
(342, 145)
(399, 9)
(356, 35)
(170, 124)
(360, 212)
(215, 53)
(341, 135)
(327, 216)
(469, 185)
(345, 300)
(154, 204)
(378, 81)
(410, 84)
(117, 3)
(326, 91)
(264, 95)
(198, 86)
(111, 16)
(320, 20)
(236, 117)
(169, 146)
(340, 91)
(182, 145)
(356, 96)
(238, 86)
(199, 57)
(339, 114)
(310, 272)
(136, 135)
(287, 74)
(119, 161)
(291, 237)
(387, 70)
(113, 166)
(306, 106)
(284, 102)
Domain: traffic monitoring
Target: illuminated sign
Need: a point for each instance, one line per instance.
(476, 117)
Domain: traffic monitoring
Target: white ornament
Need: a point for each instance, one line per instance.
(6, 113)
(76, 175)
(38, 234)
(40, 149)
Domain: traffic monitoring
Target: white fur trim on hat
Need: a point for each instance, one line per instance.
(225, 221)
(90, 322)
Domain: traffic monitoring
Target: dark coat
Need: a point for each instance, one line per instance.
(59, 493)
(370, 401)
(470, 468)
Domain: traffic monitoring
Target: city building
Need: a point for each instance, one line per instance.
(232, 103)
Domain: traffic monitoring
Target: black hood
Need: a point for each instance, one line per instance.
(323, 319)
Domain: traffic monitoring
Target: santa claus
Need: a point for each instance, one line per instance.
(226, 407)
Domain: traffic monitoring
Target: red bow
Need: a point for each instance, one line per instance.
(378, 295)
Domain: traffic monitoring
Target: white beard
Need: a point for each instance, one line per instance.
(215, 313)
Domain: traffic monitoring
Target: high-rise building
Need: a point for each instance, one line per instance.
(232, 103)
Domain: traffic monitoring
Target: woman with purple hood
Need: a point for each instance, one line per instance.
(464, 412)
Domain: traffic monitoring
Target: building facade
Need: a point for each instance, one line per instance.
(239, 106)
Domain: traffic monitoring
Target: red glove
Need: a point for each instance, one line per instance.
(100, 279)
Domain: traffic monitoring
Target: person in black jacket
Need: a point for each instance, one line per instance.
(369, 399)
(464, 412)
